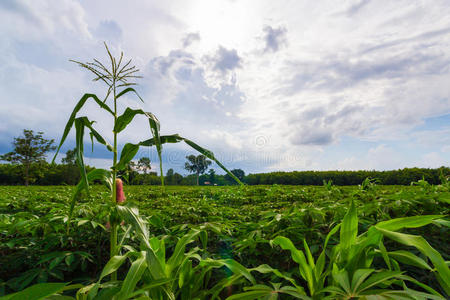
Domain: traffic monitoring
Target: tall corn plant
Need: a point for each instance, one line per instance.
(119, 79)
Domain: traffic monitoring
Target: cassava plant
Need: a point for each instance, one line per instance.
(119, 79)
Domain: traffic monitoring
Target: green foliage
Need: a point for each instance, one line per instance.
(197, 164)
(144, 164)
(228, 232)
(29, 151)
(239, 173)
(394, 177)
(70, 158)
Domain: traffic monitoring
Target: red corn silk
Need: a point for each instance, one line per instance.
(120, 196)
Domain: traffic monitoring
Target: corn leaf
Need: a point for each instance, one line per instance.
(128, 115)
(123, 92)
(232, 265)
(175, 138)
(178, 254)
(299, 257)
(79, 127)
(378, 278)
(349, 228)
(408, 258)
(37, 291)
(94, 133)
(71, 121)
(126, 155)
(408, 222)
(134, 274)
(422, 245)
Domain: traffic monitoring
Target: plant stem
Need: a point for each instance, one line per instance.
(113, 236)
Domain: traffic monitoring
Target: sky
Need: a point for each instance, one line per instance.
(266, 85)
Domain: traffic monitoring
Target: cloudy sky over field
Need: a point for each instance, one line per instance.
(266, 85)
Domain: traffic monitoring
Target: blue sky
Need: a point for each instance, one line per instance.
(266, 85)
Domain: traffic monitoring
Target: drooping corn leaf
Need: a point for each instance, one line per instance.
(72, 117)
(121, 93)
(422, 245)
(125, 119)
(175, 138)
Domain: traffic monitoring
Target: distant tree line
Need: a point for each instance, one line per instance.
(393, 177)
(27, 165)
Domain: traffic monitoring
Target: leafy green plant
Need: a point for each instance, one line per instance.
(119, 79)
(350, 272)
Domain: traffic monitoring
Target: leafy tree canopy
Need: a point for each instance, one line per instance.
(197, 164)
(29, 149)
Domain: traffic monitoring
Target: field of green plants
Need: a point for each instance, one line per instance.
(241, 242)
(258, 242)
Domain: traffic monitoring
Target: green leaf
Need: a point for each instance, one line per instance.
(95, 134)
(299, 257)
(126, 155)
(264, 269)
(178, 254)
(341, 277)
(408, 222)
(232, 265)
(408, 258)
(320, 264)
(103, 175)
(349, 228)
(210, 155)
(378, 278)
(126, 91)
(130, 214)
(148, 287)
(128, 115)
(125, 119)
(259, 294)
(111, 266)
(73, 115)
(185, 269)
(133, 276)
(308, 254)
(79, 127)
(358, 278)
(175, 138)
(155, 127)
(422, 245)
(37, 291)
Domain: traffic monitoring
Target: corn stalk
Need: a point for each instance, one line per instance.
(119, 78)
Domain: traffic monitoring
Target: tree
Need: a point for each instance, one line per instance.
(70, 158)
(197, 164)
(240, 174)
(169, 176)
(144, 164)
(212, 176)
(29, 149)
(177, 179)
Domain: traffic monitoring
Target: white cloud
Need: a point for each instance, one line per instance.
(229, 74)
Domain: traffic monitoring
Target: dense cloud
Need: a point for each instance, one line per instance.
(348, 86)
